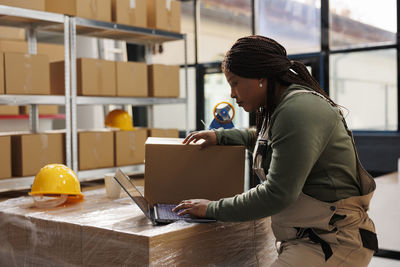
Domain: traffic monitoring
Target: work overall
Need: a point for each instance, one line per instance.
(311, 232)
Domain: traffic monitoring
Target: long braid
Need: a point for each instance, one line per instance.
(261, 57)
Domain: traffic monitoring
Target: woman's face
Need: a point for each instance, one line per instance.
(247, 92)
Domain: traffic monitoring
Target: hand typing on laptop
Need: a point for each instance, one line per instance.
(195, 207)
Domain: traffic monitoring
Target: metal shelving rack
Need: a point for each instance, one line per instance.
(34, 21)
(100, 29)
(71, 27)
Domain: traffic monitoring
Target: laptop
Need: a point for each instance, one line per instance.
(160, 213)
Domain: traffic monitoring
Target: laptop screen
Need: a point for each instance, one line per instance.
(133, 192)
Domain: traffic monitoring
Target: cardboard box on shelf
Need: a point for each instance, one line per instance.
(13, 46)
(96, 77)
(57, 78)
(164, 15)
(129, 146)
(26, 74)
(55, 52)
(163, 80)
(5, 156)
(29, 4)
(43, 110)
(9, 110)
(130, 12)
(90, 9)
(30, 152)
(132, 79)
(155, 132)
(95, 149)
(212, 173)
(12, 33)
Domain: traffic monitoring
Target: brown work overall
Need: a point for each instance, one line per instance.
(316, 233)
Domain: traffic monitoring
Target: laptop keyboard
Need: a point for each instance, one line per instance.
(165, 212)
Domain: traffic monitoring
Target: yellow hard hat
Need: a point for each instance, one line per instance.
(55, 179)
(119, 118)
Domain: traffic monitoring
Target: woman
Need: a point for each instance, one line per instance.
(313, 185)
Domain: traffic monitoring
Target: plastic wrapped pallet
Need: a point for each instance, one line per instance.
(104, 232)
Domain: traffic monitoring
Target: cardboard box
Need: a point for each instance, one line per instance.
(130, 12)
(163, 80)
(53, 51)
(29, 4)
(96, 77)
(5, 156)
(98, 231)
(90, 9)
(57, 78)
(43, 110)
(132, 79)
(164, 15)
(13, 46)
(95, 149)
(26, 74)
(172, 133)
(12, 33)
(9, 110)
(174, 171)
(30, 152)
(129, 146)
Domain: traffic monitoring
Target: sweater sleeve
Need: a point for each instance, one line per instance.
(242, 137)
(299, 133)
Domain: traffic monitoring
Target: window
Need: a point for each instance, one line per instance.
(296, 24)
(365, 83)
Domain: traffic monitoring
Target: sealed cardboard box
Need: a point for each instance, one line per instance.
(9, 110)
(96, 149)
(96, 77)
(173, 133)
(53, 51)
(163, 80)
(129, 146)
(98, 231)
(212, 173)
(90, 9)
(43, 110)
(130, 12)
(26, 74)
(29, 4)
(30, 152)
(5, 156)
(164, 15)
(132, 79)
(13, 46)
(57, 78)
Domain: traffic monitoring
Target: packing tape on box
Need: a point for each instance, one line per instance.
(132, 4)
(93, 8)
(99, 71)
(95, 151)
(132, 143)
(44, 149)
(29, 74)
(168, 5)
(132, 16)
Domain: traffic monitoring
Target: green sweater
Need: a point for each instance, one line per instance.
(308, 151)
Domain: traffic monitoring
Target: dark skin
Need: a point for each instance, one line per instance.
(250, 94)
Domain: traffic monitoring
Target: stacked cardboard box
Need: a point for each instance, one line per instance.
(164, 15)
(130, 12)
(212, 173)
(90, 9)
(157, 132)
(5, 156)
(30, 152)
(96, 149)
(129, 146)
(9, 110)
(29, 4)
(43, 110)
(132, 79)
(163, 80)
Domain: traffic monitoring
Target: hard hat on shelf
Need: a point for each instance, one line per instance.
(54, 184)
(119, 118)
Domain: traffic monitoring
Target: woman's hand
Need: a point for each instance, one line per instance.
(195, 207)
(209, 137)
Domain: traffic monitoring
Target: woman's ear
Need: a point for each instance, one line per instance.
(261, 82)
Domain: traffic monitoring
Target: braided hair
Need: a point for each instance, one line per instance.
(259, 57)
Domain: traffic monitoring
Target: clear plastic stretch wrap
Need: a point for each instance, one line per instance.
(104, 232)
